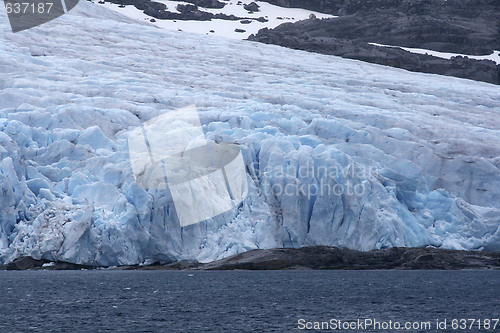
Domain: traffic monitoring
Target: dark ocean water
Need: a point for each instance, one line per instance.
(240, 301)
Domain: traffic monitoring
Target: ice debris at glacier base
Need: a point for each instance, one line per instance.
(73, 89)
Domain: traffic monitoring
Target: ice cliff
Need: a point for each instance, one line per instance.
(337, 152)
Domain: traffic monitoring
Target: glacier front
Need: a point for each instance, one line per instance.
(337, 152)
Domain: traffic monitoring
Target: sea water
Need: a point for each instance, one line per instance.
(249, 301)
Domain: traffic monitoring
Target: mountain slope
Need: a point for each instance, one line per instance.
(465, 28)
(407, 159)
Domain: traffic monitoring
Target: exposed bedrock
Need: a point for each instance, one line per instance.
(462, 27)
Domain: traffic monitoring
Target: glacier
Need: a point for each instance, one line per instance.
(337, 152)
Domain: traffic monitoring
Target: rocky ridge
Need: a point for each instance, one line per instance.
(325, 257)
(454, 26)
(312, 257)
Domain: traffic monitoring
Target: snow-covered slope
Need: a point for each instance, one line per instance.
(274, 15)
(495, 56)
(424, 149)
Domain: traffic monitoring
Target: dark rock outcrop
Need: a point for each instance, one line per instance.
(292, 36)
(207, 3)
(190, 12)
(463, 8)
(24, 263)
(463, 27)
(187, 12)
(313, 257)
(251, 7)
(324, 257)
